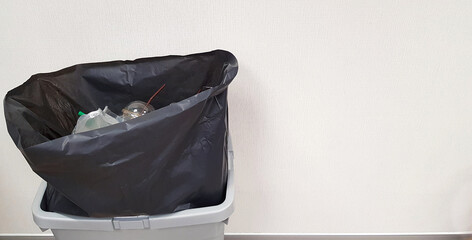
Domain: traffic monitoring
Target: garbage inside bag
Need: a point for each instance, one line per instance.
(96, 119)
(136, 109)
(139, 108)
(170, 159)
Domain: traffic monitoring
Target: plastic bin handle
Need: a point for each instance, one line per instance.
(132, 222)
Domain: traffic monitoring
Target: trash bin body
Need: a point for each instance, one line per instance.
(206, 223)
(210, 231)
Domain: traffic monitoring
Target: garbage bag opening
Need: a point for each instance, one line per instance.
(56, 98)
(168, 160)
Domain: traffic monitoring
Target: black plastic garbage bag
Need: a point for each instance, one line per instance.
(168, 160)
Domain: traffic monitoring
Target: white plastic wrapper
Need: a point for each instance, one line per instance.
(96, 119)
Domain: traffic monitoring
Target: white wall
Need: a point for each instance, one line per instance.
(347, 116)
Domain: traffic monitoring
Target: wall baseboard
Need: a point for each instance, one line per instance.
(361, 236)
(288, 236)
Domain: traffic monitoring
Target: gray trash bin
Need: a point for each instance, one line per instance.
(197, 224)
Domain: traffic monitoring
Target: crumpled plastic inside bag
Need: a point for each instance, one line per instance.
(96, 119)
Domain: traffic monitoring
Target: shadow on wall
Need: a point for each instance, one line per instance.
(247, 115)
(458, 200)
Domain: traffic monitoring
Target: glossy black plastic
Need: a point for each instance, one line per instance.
(171, 159)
